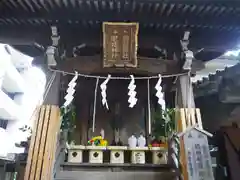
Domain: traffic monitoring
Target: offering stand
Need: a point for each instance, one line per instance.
(138, 155)
(159, 155)
(96, 153)
(117, 154)
(75, 153)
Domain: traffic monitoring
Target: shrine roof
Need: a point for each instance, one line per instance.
(157, 14)
(221, 82)
(213, 23)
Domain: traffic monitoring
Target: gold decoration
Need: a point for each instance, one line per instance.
(120, 44)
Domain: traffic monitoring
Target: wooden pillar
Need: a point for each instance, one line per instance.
(41, 154)
(186, 115)
(185, 97)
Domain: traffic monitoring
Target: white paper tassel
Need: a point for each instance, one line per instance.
(132, 93)
(103, 87)
(71, 90)
(160, 94)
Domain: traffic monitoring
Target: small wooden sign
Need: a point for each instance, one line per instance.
(198, 159)
(120, 44)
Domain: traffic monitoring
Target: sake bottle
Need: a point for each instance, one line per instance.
(141, 141)
(132, 141)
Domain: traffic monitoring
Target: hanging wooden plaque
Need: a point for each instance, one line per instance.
(120, 44)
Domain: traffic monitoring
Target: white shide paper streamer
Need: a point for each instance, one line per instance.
(103, 87)
(159, 93)
(132, 93)
(71, 90)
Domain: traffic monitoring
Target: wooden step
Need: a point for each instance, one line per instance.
(104, 175)
(107, 171)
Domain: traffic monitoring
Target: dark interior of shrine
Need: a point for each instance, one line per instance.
(119, 115)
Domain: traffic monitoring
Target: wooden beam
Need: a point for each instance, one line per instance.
(73, 35)
(93, 65)
(91, 37)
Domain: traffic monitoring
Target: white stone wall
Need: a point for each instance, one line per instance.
(33, 82)
(4, 62)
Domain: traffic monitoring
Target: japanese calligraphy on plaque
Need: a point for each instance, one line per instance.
(120, 44)
(198, 157)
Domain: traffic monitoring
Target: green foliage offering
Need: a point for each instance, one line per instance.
(68, 119)
(164, 123)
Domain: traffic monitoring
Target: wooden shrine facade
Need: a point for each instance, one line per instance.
(153, 47)
(83, 98)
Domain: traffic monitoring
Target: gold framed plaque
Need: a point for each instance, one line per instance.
(120, 44)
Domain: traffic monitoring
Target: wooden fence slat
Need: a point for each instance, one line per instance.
(182, 121)
(199, 118)
(46, 153)
(47, 156)
(56, 127)
(32, 144)
(37, 144)
(183, 158)
(48, 160)
(188, 116)
(193, 118)
(42, 142)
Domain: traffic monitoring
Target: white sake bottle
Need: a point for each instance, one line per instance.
(141, 141)
(132, 141)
